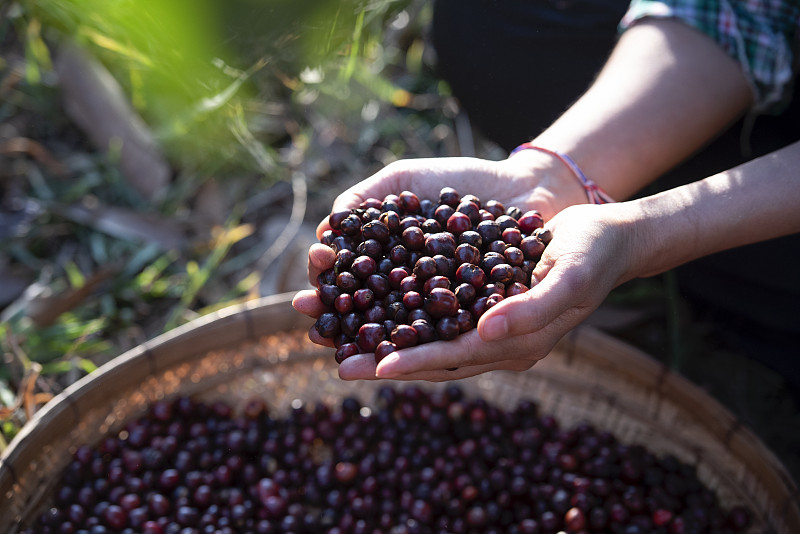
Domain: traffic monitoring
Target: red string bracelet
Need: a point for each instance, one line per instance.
(593, 191)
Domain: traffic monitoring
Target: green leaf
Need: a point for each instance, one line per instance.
(355, 46)
(74, 275)
(7, 395)
(36, 53)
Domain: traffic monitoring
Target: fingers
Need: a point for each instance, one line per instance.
(320, 258)
(322, 227)
(363, 367)
(307, 302)
(443, 375)
(559, 294)
(358, 367)
(314, 336)
(467, 350)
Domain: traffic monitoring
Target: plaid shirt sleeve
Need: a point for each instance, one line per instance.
(762, 35)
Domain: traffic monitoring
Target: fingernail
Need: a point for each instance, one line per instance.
(495, 328)
(389, 360)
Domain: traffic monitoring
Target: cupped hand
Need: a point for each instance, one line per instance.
(514, 182)
(590, 254)
(527, 181)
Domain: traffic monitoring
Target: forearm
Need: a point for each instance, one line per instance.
(754, 202)
(666, 91)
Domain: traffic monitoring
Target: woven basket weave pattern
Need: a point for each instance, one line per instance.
(262, 350)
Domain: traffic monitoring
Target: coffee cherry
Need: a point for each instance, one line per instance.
(335, 219)
(431, 226)
(402, 260)
(442, 243)
(404, 336)
(466, 253)
(363, 299)
(348, 282)
(413, 238)
(502, 272)
(383, 349)
(447, 328)
(409, 202)
(343, 303)
(441, 302)
(369, 336)
(328, 294)
(416, 461)
(376, 230)
(351, 225)
(468, 273)
(345, 351)
(328, 325)
(435, 281)
(425, 330)
(449, 197)
(425, 268)
(465, 293)
(363, 267)
(532, 247)
(530, 221)
(458, 223)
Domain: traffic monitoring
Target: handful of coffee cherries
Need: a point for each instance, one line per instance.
(411, 271)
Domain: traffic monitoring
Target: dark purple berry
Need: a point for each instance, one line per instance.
(532, 247)
(425, 331)
(425, 268)
(489, 231)
(335, 219)
(363, 267)
(369, 336)
(467, 273)
(449, 196)
(447, 328)
(413, 238)
(441, 302)
(348, 282)
(376, 230)
(351, 225)
(442, 243)
(404, 336)
(383, 349)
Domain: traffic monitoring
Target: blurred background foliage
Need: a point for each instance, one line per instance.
(262, 110)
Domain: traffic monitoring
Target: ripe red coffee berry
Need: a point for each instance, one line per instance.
(370, 335)
(441, 302)
(458, 223)
(383, 349)
(530, 221)
(404, 336)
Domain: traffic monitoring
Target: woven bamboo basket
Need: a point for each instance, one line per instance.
(261, 348)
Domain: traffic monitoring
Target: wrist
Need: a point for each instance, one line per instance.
(658, 236)
(551, 181)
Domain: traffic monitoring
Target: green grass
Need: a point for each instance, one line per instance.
(238, 96)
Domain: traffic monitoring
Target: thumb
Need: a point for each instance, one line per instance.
(533, 310)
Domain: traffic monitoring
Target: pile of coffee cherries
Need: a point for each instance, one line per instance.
(411, 271)
(412, 461)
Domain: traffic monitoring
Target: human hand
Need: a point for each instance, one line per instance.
(590, 253)
(529, 180)
(510, 181)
